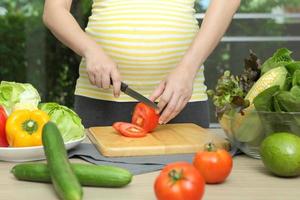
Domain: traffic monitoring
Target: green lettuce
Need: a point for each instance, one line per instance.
(67, 121)
(280, 58)
(12, 93)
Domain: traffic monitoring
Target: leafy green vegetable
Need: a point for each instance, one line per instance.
(263, 101)
(251, 72)
(230, 91)
(292, 67)
(296, 78)
(276, 105)
(288, 101)
(12, 93)
(67, 121)
(280, 58)
(274, 90)
(228, 95)
(295, 90)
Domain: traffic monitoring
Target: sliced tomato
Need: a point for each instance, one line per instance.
(145, 117)
(116, 125)
(129, 130)
(3, 117)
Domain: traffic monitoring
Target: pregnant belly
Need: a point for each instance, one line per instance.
(147, 31)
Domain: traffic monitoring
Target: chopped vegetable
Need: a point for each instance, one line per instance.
(129, 130)
(145, 117)
(24, 128)
(67, 121)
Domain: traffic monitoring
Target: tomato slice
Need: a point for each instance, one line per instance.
(116, 125)
(129, 130)
(145, 117)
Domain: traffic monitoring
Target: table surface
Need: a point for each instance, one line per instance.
(248, 180)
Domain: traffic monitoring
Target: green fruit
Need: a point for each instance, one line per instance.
(280, 153)
(62, 175)
(88, 175)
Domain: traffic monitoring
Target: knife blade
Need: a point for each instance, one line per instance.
(134, 94)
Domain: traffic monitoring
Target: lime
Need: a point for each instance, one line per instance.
(280, 153)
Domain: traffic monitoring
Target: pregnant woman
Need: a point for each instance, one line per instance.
(154, 46)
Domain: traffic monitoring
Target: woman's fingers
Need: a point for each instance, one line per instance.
(105, 78)
(91, 78)
(170, 109)
(180, 105)
(115, 76)
(98, 80)
(158, 91)
(101, 70)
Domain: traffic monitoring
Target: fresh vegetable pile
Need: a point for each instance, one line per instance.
(272, 87)
(22, 116)
(260, 110)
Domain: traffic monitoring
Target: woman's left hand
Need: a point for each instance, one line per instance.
(173, 92)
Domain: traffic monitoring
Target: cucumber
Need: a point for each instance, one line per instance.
(62, 176)
(88, 175)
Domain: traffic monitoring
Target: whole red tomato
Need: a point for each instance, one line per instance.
(179, 181)
(214, 164)
(145, 117)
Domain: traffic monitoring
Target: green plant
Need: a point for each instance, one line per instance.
(30, 53)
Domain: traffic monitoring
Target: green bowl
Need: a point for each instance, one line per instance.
(247, 131)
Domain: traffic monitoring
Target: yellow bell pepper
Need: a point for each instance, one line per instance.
(24, 127)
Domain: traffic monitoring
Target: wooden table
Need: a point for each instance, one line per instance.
(248, 181)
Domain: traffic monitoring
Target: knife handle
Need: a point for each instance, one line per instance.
(124, 86)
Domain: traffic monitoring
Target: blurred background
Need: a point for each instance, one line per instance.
(29, 52)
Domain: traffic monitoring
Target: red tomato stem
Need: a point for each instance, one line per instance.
(176, 175)
(210, 147)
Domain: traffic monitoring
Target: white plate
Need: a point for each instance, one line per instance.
(24, 154)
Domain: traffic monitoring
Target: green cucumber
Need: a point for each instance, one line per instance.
(88, 175)
(62, 176)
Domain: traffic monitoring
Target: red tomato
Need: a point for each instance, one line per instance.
(214, 165)
(116, 125)
(129, 130)
(145, 117)
(3, 117)
(179, 181)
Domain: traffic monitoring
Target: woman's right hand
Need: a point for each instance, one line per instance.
(101, 68)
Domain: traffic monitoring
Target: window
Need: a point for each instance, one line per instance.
(262, 26)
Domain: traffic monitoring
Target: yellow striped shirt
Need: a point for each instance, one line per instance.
(146, 38)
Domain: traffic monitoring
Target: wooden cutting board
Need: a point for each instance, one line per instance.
(166, 139)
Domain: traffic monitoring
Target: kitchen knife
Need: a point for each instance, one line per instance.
(134, 94)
